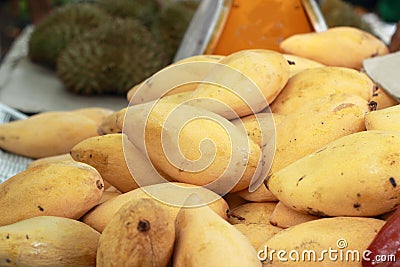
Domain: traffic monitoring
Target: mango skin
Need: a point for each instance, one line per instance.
(343, 234)
(48, 241)
(267, 69)
(101, 215)
(384, 119)
(46, 134)
(338, 46)
(298, 64)
(356, 175)
(308, 85)
(106, 154)
(139, 234)
(315, 125)
(64, 189)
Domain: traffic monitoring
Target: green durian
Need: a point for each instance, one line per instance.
(111, 59)
(55, 31)
(142, 10)
(171, 24)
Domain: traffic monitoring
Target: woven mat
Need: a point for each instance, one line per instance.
(10, 164)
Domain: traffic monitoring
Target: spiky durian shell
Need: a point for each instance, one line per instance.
(110, 59)
(171, 24)
(60, 27)
(142, 10)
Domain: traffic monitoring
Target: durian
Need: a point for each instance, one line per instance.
(142, 10)
(171, 24)
(56, 30)
(110, 59)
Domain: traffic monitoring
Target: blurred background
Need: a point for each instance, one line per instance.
(17, 14)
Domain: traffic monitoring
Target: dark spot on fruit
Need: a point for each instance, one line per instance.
(8, 236)
(372, 105)
(358, 195)
(318, 213)
(143, 226)
(40, 208)
(393, 181)
(300, 179)
(99, 184)
(266, 180)
(291, 62)
(356, 205)
(376, 94)
(233, 215)
(90, 156)
(27, 236)
(8, 260)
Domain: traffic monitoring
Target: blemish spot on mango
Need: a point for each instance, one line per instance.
(143, 226)
(99, 184)
(372, 105)
(233, 215)
(300, 179)
(318, 213)
(392, 181)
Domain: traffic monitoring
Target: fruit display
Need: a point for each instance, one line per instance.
(145, 11)
(94, 47)
(59, 28)
(362, 44)
(104, 60)
(256, 158)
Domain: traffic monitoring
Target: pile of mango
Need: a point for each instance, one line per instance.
(304, 156)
